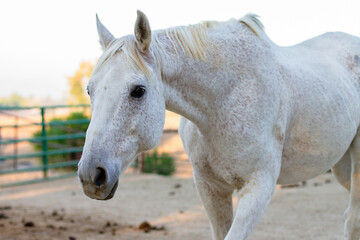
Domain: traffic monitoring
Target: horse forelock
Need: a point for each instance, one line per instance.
(126, 45)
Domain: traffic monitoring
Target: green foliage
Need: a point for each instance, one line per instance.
(161, 164)
(64, 143)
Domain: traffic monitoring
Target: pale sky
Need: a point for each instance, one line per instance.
(43, 42)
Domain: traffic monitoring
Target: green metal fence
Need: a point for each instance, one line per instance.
(46, 154)
(44, 158)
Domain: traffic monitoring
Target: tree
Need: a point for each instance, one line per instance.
(78, 83)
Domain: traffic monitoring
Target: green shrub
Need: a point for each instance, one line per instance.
(63, 143)
(161, 164)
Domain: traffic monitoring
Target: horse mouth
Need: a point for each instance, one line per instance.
(112, 192)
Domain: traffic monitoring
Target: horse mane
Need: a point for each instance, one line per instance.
(193, 40)
(254, 24)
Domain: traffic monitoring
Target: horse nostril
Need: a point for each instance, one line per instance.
(100, 177)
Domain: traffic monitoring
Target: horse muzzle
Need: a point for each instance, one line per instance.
(98, 183)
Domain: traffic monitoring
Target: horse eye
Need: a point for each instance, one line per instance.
(138, 91)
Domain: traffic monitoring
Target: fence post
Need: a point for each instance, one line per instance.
(44, 142)
(142, 162)
(16, 127)
(0, 143)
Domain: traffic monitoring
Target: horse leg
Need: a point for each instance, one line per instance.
(214, 192)
(253, 199)
(218, 206)
(342, 171)
(352, 223)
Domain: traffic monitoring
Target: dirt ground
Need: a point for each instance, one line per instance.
(59, 210)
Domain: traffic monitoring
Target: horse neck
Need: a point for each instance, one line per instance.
(188, 88)
(195, 88)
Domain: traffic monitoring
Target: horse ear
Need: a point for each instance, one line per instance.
(142, 31)
(105, 37)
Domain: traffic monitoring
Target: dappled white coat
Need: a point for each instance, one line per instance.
(254, 114)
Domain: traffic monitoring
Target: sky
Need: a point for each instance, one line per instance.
(43, 42)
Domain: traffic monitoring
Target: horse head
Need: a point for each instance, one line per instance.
(127, 105)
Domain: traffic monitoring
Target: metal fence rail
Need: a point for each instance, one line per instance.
(43, 140)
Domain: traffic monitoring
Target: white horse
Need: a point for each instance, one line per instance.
(254, 114)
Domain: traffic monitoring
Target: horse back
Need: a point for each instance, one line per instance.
(340, 48)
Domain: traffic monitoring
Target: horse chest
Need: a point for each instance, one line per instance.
(230, 160)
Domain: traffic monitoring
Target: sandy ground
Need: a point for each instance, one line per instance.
(60, 210)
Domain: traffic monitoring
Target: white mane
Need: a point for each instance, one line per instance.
(192, 40)
(253, 22)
